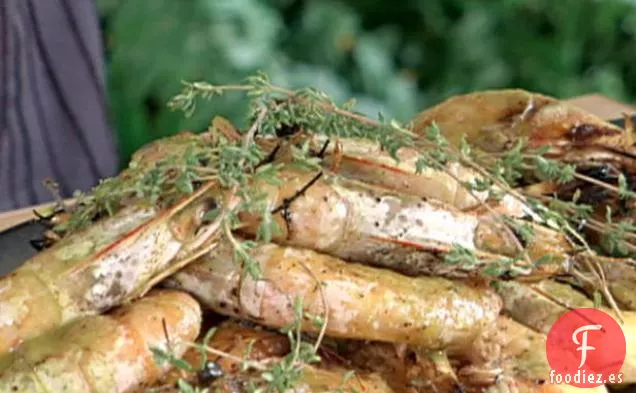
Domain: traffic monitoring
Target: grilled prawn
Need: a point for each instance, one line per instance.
(496, 121)
(512, 385)
(406, 369)
(244, 347)
(360, 302)
(312, 380)
(508, 348)
(366, 161)
(238, 343)
(109, 353)
(105, 265)
(539, 305)
(509, 359)
(361, 223)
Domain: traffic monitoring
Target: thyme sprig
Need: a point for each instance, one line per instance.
(499, 267)
(313, 110)
(578, 214)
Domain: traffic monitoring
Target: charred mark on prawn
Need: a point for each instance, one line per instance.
(287, 130)
(583, 133)
(603, 172)
(459, 388)
(506, 276)
(210, 372)
(286, 214)
(590, 194)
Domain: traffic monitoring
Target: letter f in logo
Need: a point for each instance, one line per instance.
(584, 347)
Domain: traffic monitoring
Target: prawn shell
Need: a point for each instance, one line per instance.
(32, 299)
(539, 306)
(255, 344)
(406, 370)
(366, 161)
(621, 277)
(312, 380)
(373, 225)
(363, 302)
(508, 347)
(495, 120)
(519, 385)
(93, 270)
(233, 338)
(106, 353)
(619, 273)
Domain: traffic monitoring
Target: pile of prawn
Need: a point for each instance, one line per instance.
(364, 243)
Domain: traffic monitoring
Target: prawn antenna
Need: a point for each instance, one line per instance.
(288, 201)
(322, 151)
(270, 157)
(54, 189)
(284, 207)
(166, 335)
(287, 130)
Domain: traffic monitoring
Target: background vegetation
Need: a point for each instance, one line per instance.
(396, 57)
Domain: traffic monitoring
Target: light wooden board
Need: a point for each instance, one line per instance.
(599, 105)
(14, 217)
(602, 106)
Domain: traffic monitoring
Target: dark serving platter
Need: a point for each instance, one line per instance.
(15, 244)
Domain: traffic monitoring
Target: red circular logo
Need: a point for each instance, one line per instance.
(586, 348)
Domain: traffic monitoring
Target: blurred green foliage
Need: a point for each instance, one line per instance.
(396, 57)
